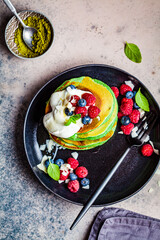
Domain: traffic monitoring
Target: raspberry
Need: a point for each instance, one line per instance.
(126, 108)
(127, 100)
(147, 150)
(81, 172)
(127, 128)
(93, 111)
(125, 88)
(64, 174)
(120, 115)
(73, 186)
(73, 162)
(81, 110)
(116, 91)
(74, 100)
(134, 116)
(90, 99)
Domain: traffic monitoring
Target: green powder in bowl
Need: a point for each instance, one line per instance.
(42, 40)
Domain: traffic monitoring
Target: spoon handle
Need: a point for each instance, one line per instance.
(13, 10)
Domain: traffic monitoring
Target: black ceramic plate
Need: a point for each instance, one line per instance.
(133, 173)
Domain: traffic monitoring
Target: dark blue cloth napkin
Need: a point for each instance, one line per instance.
(121, 224)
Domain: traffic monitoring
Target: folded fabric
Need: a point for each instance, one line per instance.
(121, 224)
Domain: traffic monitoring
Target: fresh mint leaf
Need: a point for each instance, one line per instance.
(53, 171)
(73, 119)
(133, 52)
(142, 101)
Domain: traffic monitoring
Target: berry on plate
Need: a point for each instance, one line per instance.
(134, 116)
(147, 150)
(73, 162)
(120, 115)
(81, 172)
(74, 100)
(64, 174)
(125, 120)
(47, 162)
(82, 102)
(116, 91)
(68, 112)
(59, 162)
(85, 182)
(90, 99)
(127, 100)
(135, 105)
(72, 86)
(126, 129)
(86, 120)
(81, 110)
(93, 111)
(124, 88)
(126, 108)
(129, 94)
(73, 176)
(73, 186)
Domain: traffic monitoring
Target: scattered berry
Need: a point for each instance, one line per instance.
(86, 120)
(90, 98)
(124, 88)
(72, 176)
(120, 115)
(81, 172)
(127, 100)
(81, 110)
(59, 162)
(93, 111)
(126, 108)
(127, 128)
(135, 105)
(64, 174)
(116, 91)
(125, 120)
(134, 116)
(147, 150)
(73, 163)
(73, 186)
(82, 102)
(85, 182)
(47, 162)
(74, 100)
(68, 112)
(129, 94)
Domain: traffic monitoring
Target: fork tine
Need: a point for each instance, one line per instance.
(147, 126)
(150, 126)
(144, 122)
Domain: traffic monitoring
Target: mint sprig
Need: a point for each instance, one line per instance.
(73, 119)
(133, 52)
(142, 101)
(53, 171)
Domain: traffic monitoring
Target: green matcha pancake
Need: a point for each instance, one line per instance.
(81, 114)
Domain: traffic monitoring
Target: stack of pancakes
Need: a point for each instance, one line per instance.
(102, 128)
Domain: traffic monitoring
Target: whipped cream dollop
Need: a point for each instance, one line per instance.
(55, 120)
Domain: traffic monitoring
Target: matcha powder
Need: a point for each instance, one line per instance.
(41, 39)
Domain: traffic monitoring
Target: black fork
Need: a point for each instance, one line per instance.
(142, 131)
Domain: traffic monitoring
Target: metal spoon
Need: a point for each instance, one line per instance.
(27, 31)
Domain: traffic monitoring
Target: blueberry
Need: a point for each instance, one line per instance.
(136, 106)
(129, 94)
(47, 162)
(59, 162)
(85, 182)
(82, 102)
(68, 112)
(125, 120)
(86, 120)
(72, 176)
(72, 86)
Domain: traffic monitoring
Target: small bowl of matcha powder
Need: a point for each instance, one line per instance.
(42, 40)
